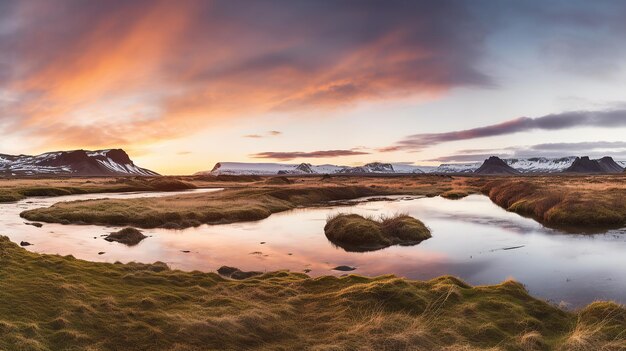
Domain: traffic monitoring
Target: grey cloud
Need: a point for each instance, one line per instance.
(565, 120)
(289, 155)
(595, 149)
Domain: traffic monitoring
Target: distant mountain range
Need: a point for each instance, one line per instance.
(242, 168)
(493, 165)
(110, 162)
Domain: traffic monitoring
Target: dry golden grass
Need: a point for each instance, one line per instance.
(242, 201)
(571, 203)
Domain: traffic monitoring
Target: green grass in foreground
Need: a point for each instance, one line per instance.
(353, 232)
(60, 303)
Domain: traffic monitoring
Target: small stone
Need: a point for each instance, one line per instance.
(344, 268)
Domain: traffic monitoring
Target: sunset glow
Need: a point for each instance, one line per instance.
(182, 85)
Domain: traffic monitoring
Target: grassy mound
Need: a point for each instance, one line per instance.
(169, 184)
(60, 303)
(278, 181)
(454, 194)
(356, 233)
(128, 236)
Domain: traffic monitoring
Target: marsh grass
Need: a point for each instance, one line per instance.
(49, 302)
(353, 232)
(565, 203)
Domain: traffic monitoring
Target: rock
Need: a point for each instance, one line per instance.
(128, 236)
(307, 270)
(34, 224)
(185, 251)
(239, 275)
(344, 268)
(25, 243)
(236, 273)
(101, 253)
(226, 270)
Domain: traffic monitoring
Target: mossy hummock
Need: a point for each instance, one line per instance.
(353, 232)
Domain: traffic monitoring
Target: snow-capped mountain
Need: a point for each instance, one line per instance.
(522, 165)
(241, 168)
(110, 162)
(457, 167)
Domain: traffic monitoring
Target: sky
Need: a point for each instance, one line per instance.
(181, 85)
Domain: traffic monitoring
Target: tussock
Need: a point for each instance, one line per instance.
(357, 233)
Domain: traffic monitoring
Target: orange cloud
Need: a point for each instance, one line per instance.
(90, 74)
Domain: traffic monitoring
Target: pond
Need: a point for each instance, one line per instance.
(472, 238)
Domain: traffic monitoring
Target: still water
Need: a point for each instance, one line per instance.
(472, 238)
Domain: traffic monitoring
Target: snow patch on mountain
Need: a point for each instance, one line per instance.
(540, 164)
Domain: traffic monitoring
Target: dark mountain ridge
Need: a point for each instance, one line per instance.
(495, 165)
(109, 162)
(586, 165)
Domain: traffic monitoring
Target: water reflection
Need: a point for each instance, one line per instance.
(469, 236)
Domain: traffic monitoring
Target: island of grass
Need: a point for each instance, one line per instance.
(356, 233)
(52, 302)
